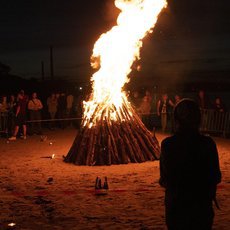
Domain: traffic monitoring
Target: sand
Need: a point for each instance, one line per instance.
(37, 192)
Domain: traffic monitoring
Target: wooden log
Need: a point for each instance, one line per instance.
(136, 147)
(82, 149)
(109, 160)
(148, 155)
(113, 144)
(129, 150)
(123, 140)
(90, 147)
(123, 156)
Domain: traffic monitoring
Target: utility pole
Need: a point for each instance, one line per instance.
(51, 63)
(42, 71)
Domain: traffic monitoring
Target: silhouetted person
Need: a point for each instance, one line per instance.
(135, 100)
(20, 115)
(177, 99)
(145, 108)
(69, 107)
(3, 113)
(219, 114)
(218, 105)
(11, 114)
(61, 109)
(189, 172)
(203, 100)
(164, 106)
(35, 106)
(52, 104)
(204, 105)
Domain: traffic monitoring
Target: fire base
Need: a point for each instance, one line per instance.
(114, 142)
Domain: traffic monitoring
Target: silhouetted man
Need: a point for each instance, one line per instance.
(189, 171)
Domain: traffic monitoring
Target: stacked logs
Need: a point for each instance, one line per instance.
(110, 141)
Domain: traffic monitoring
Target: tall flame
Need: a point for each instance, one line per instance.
(113, 57)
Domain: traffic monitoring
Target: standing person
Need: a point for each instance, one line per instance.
(154, 117)
(204, 105)
(145, 109)
(203, 100)
(69, 106)
(78, 110)
(3, 104)
(20, 115)
(177, 98)
(35, 106)
(11, 114)
(218, 105)
(189, 172)
(52, 108)
(219, 114)
(61, 110)
(3, 113)
(135, 100)
(164, 106)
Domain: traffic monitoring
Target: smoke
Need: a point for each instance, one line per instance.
(111, 12)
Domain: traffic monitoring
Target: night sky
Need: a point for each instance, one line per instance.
(199, 29)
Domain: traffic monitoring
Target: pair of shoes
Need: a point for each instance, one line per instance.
(13, 138)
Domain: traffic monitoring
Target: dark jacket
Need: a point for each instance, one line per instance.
(189, 170)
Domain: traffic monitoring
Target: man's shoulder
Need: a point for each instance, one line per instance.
(207, 140)
(178, 138)
(168, 140)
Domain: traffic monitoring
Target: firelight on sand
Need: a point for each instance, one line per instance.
(113, 56)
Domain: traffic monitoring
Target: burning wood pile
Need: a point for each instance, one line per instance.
(111, 131)
(114, 142)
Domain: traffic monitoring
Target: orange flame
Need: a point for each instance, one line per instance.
(114, 54)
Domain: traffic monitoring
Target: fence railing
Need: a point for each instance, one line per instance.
(213, 122)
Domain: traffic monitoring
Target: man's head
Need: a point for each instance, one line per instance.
(164, 96)
(218, 101)
(34, 95)
(201, 94)
(187, 115)
(135, 94)
(147, 93)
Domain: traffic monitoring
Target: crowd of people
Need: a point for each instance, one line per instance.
(156, 110)
(23, 114)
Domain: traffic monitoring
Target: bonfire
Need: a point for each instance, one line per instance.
(111, 131)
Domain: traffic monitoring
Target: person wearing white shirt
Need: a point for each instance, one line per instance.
(35, 106)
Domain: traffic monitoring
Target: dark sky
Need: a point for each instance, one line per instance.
(29, 25)
(26, 24)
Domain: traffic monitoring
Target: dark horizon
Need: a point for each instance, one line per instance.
(199, 30)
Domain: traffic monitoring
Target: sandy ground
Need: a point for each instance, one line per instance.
(37, 192)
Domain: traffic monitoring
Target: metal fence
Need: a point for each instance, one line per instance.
(215, 122)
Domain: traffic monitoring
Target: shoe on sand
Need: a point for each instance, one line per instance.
(12, 138)
(23, 137)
